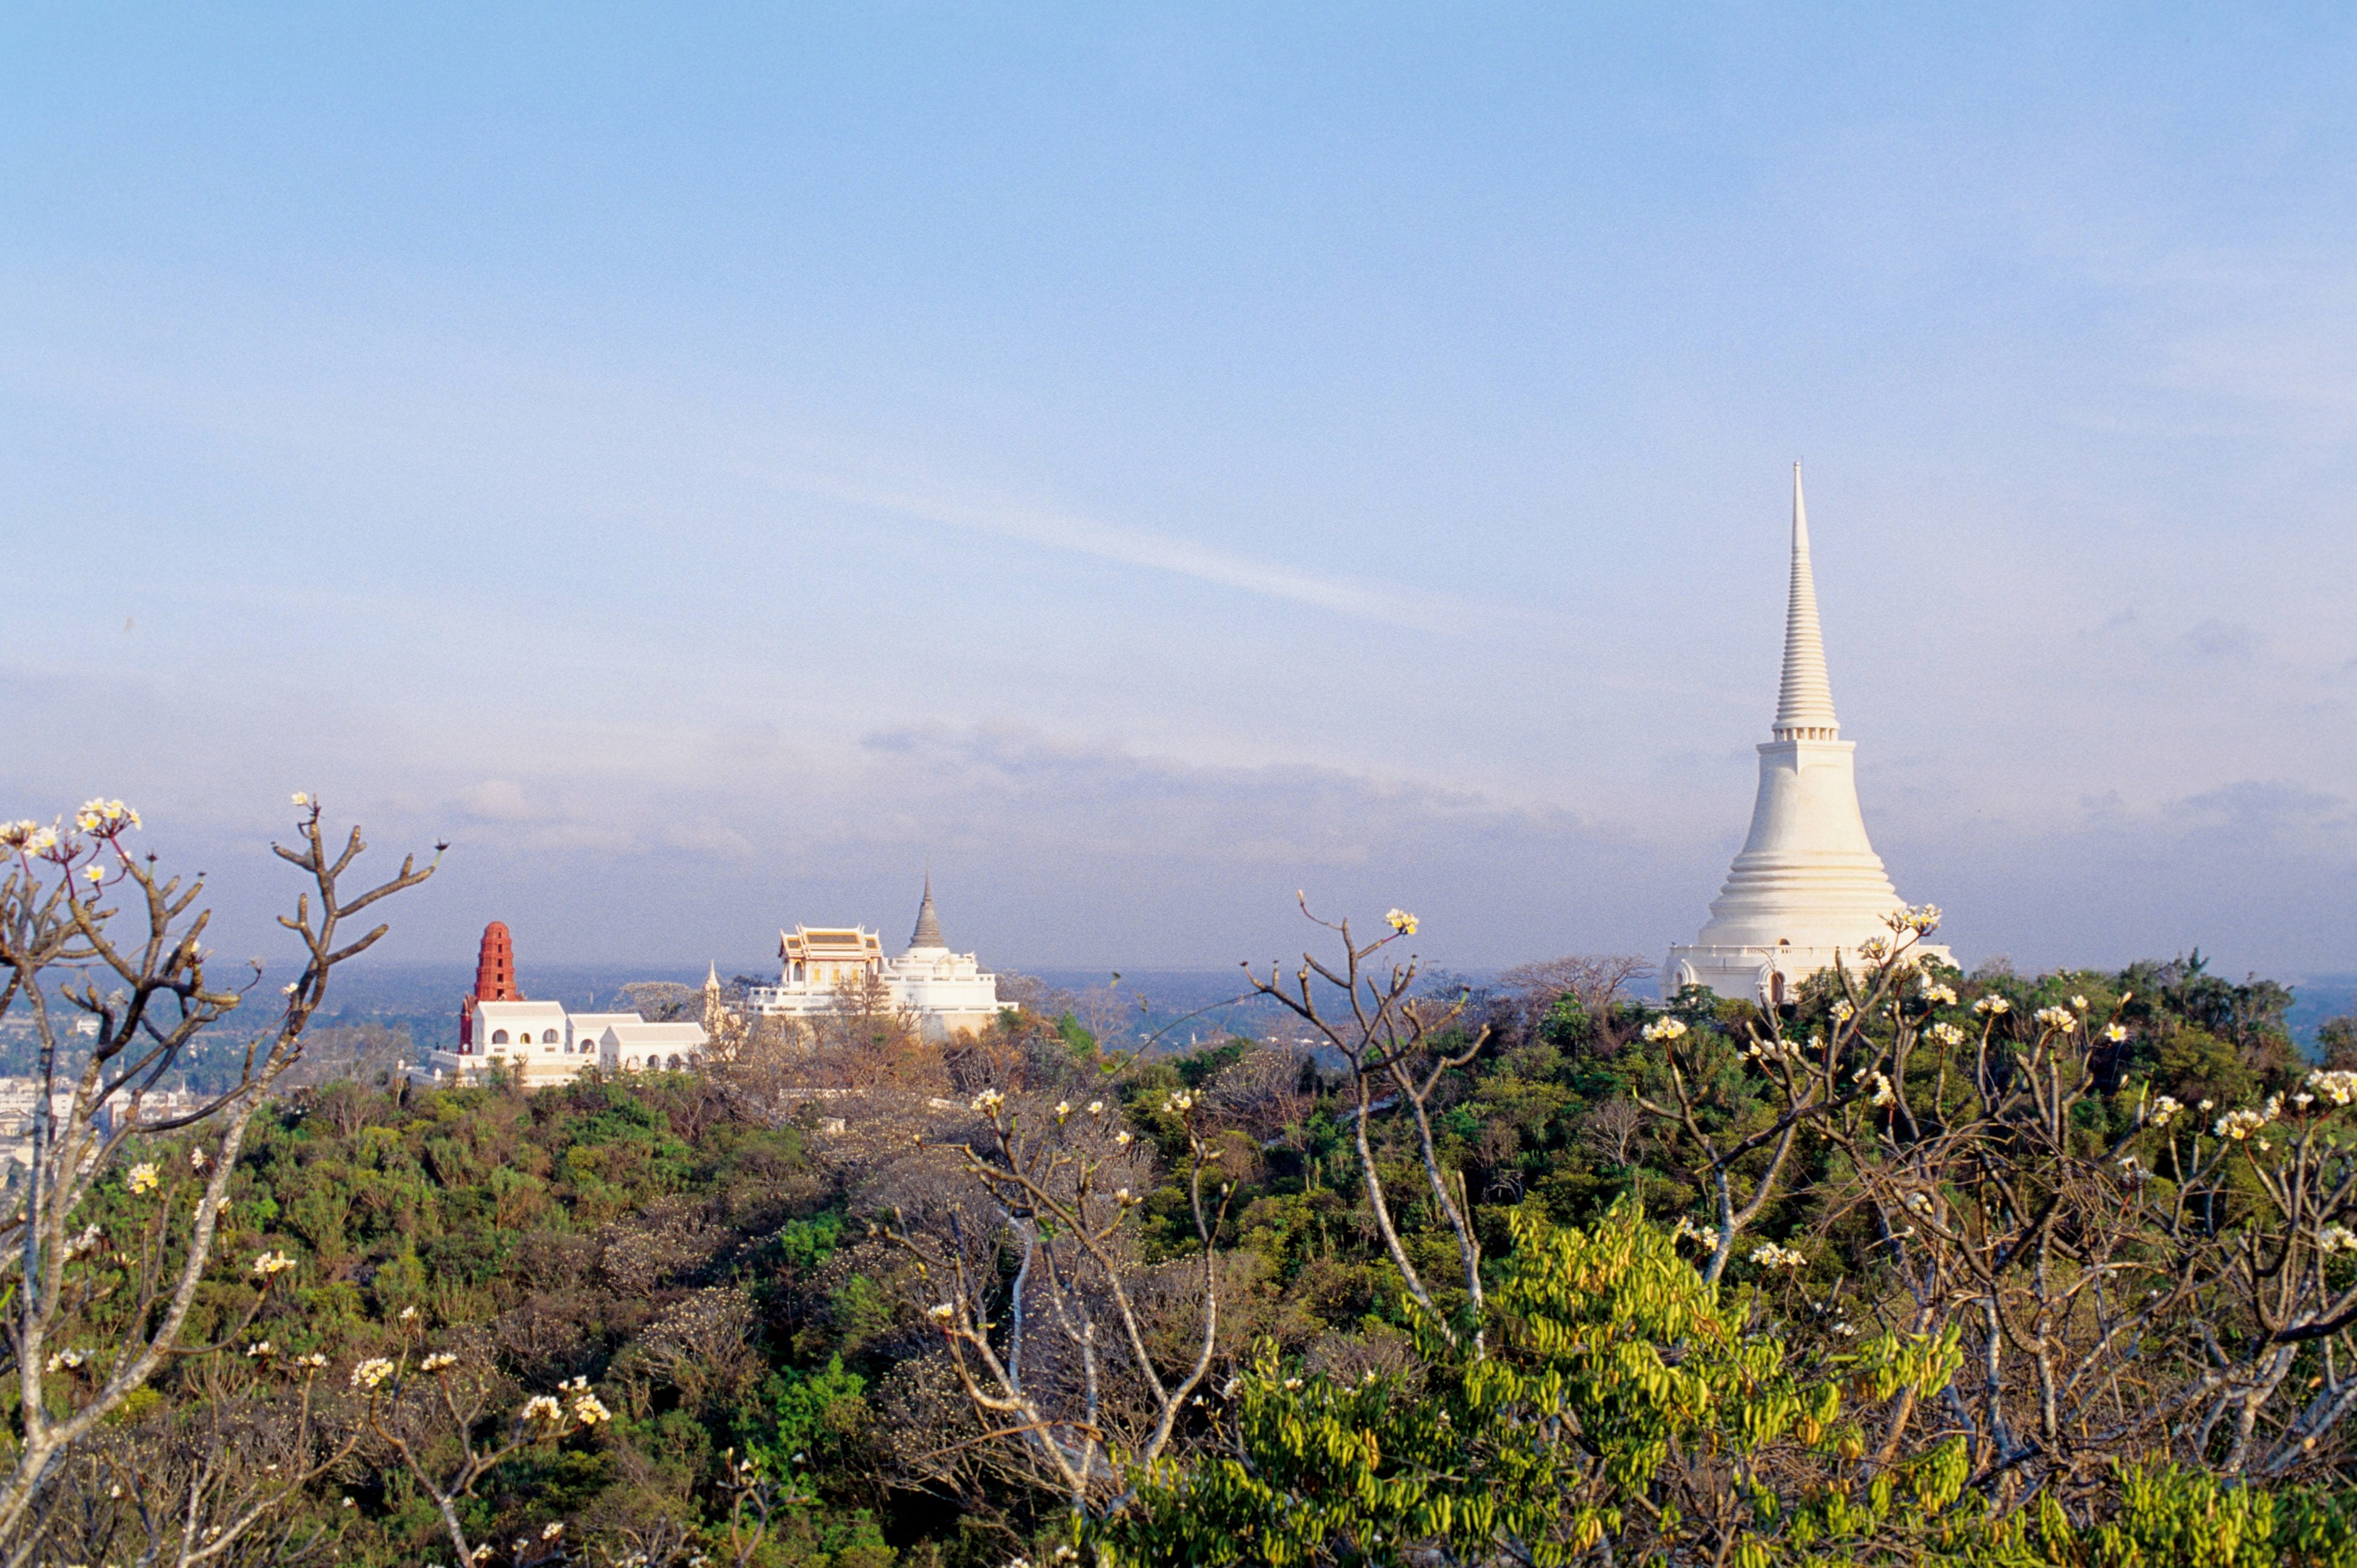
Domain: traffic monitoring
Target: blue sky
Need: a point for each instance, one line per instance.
(708, 466)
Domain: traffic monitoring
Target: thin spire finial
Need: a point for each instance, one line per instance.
(1805, 706)
(928, 925)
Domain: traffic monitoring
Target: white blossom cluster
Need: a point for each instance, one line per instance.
(988, 1102)
(1946, 1034)
(2336, 1239)
(586, 1410)
(105, 818)
(1662, 1029)
(2240, 1124)
(1937, 993)
(2056, 1018)
(2165, 1110)
(1992, 1005)
(1769, 1255)
(27, 837)
(1402, 921)
(2340, 1087)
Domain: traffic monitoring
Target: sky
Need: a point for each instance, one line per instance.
(710, 465)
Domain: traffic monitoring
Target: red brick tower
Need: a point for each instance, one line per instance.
(494, 980)
(495, 967)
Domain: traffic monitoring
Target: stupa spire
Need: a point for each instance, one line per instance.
(1804, 706)
(928, 925)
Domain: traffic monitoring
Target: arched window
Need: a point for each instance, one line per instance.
(1776, 988)
(499, 1036)
(548, 1037)
(631, 1063)
(675, 1064)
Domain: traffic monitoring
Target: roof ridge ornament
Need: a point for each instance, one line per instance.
(1804, 704)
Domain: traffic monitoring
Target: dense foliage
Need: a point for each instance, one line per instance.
(730, 1295)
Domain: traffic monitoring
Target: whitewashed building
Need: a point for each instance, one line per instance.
(540, 1043)
(1807, 888)
(949, 992)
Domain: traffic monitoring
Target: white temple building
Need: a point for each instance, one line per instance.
(1807, 888)
(820, 967)
(536, 1043)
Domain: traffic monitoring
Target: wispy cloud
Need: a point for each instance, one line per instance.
(1055, 528)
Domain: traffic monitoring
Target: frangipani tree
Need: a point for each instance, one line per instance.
(2128, 1277)
(103, 955)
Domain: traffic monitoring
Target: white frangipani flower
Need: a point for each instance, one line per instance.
(2340, 1087)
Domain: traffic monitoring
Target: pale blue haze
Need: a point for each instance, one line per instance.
(706, 462)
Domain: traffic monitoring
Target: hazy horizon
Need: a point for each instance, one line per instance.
(710, 467)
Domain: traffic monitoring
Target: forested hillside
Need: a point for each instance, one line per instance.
(713, 1258)
(1919, 1266)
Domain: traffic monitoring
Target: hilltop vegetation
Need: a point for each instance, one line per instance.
(701, 1255)
(2005, 1270)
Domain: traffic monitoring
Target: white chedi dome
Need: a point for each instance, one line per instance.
(1807, 888)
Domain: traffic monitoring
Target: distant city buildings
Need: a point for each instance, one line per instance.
(1807, 888)
(20, 1100)
(540, 1043)
(822, 969)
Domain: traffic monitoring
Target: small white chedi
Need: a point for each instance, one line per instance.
(1807, 888)
(822, 967)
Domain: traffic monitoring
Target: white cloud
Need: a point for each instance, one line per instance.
(1056, 528)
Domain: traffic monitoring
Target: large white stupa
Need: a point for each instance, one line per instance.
(1807, 888)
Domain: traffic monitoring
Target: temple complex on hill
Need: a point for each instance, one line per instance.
(822, 968)
(539, 1043)
(1807, 888)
